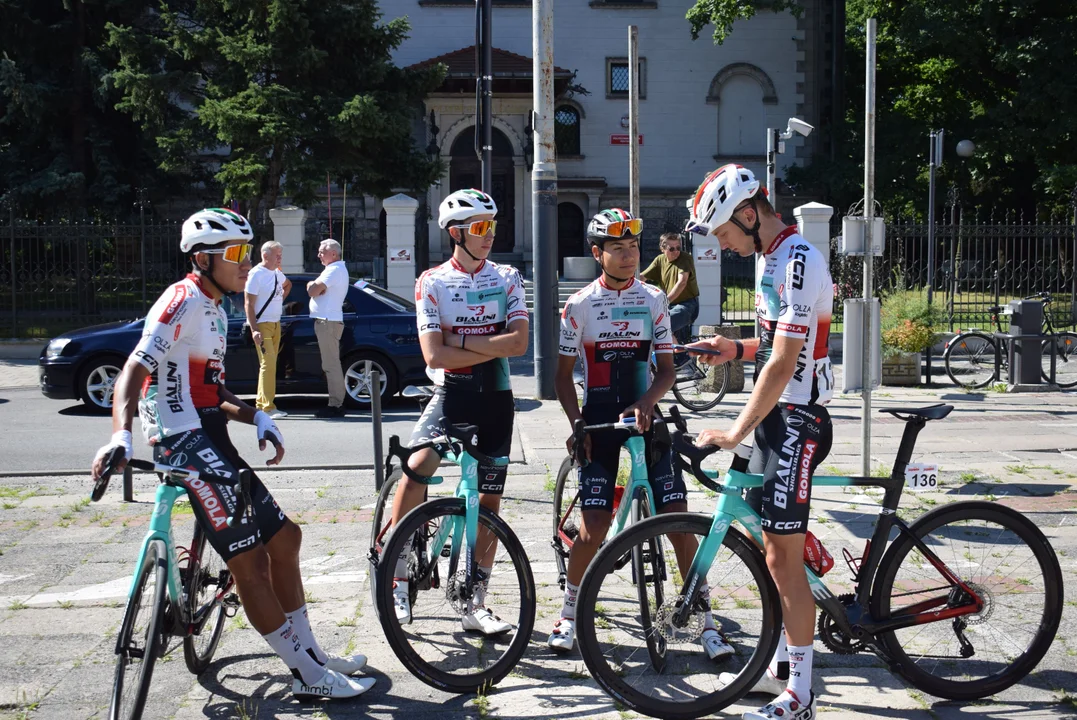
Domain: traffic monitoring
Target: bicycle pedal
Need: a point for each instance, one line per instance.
(446, 551)
(231, 604)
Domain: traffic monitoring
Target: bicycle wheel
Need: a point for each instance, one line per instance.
(970, 359)
(613, 641)
(649, 574)
(699, 387)
(566, 499)
(1006, 560)
(1065, 344)
(141, 636)
(379, 530)
(434, 647)
(204, 586)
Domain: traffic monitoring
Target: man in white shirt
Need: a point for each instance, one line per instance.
(327, 295)
(265, 291)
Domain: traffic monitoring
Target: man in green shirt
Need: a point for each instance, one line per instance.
(675, 273)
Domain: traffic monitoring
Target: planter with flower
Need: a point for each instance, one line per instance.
(907, 330)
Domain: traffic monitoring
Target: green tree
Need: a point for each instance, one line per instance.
(63, 145)
(998, 72)
(275, 94)
(723, 13)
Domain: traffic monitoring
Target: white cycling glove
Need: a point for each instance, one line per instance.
(120, 439)
(267, 429)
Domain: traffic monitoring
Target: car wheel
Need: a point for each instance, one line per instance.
(357, 372)
(99, 382)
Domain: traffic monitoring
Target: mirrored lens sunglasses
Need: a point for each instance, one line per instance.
(233, 253)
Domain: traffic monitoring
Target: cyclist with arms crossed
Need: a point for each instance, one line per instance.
(471, 318)
(792, 429)
(184, 408)
(612, 324)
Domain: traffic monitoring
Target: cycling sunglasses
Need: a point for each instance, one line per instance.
(625, 227)
(233, 253)
(479, 228)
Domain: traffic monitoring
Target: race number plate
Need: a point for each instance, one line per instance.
(921, 477)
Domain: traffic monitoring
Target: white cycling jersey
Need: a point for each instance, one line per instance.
(450, 299)
(183, 345)
(795, 298)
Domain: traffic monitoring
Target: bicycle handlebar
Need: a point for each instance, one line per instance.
(465, 435)
(626, 425)
(242, 489)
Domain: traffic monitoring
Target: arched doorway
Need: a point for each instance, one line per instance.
(570, 233)
(465, 171)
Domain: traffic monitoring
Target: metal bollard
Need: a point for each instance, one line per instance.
(375, 421)
(128, 484)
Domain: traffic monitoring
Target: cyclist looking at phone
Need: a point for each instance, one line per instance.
(612, 325)
(793, 380)
(184, 408)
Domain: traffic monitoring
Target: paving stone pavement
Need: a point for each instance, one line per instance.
(65, 565)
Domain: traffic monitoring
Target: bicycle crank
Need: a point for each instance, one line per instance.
(833, 636)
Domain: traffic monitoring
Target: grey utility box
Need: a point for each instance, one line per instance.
(1026, 321)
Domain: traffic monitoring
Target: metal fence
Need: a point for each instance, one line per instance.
(981, 260)
(56, 276)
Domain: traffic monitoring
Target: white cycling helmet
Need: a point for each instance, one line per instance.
(612, 224)
(719, 195)
(214, 226)
(464, 204)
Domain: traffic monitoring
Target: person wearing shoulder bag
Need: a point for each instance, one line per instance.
(266, 288)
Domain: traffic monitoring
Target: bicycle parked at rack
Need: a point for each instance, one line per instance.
(697, 386)
(631, 504)
(962, 603)
(970, 355)
(443, 572)
(175, 591)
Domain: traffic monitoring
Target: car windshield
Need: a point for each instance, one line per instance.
(392, 300)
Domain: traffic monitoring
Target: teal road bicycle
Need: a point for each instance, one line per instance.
(175, 592)
(962, 603)
(633, 503)
(448, 537)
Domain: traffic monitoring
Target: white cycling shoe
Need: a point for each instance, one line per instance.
(401, 602)
(786, 706)
(346, 665)
(333, 685)
(767, 684)
(563, 637)
(484, 621)
(715, 646)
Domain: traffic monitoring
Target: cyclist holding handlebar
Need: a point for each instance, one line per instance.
(184, 408)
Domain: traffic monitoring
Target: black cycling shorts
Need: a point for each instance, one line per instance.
(790, 444)
(209, 450)
(493, 412)
(599, 477)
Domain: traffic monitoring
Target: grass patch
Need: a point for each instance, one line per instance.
(1018, 469)
(967, 477)
(66, 604)
(17, 604)
(309, 598)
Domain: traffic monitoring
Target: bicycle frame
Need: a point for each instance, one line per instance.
(853, 620)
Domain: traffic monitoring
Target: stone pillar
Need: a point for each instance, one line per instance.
(736, 367)
(400, 243)
(288, 231)
(813, 223)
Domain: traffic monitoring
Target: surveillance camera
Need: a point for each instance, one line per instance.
(799, 126)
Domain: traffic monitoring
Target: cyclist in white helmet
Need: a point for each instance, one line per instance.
(792, 430)
(471, 318)
(184, 408)
(613, 325)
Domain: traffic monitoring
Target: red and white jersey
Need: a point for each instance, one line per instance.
(450, 299)
(183, 345)
(795, 298)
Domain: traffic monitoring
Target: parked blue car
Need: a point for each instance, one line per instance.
(379, 333)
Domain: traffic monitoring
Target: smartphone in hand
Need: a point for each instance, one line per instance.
(696, 350)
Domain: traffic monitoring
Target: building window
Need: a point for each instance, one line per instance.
(617, 78)
(566, 130)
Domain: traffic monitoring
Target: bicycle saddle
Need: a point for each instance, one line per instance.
(930, 412)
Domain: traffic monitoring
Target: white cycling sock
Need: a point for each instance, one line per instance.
(479, 600)
(708, 617)
(402, 561)
(779, 664)
(301, 623)
(286, 643)
(568, 606)
(800, 658)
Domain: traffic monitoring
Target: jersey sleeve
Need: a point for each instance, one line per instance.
(796, 300)
(427, 316)
(514, 288)
(571, 328)
(164, 327)
(663, 337)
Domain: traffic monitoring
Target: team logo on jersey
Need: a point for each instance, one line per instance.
(174, 304)
(660, 333)
(620, 325)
